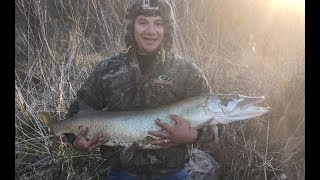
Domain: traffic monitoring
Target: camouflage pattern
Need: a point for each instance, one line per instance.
(117, 84)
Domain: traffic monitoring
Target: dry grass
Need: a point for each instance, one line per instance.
(243, 47)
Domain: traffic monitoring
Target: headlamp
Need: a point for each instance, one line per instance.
(150, 7)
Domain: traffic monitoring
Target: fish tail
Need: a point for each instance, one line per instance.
(45, 119)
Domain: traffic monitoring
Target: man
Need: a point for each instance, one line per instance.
(144, 75)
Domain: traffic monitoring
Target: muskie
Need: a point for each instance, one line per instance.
(128, 127)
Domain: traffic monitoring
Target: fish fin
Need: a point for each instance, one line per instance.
(215, 130)
(127, 153)
(83, 106)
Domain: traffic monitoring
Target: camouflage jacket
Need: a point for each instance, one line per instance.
(118, 84)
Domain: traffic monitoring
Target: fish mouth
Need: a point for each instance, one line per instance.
(248, 112)
(238, 107)
(247, 101)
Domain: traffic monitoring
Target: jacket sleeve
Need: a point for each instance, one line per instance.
(196, 83)
(91, 93)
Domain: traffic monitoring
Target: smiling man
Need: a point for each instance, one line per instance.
(144, 75)
(148, 33)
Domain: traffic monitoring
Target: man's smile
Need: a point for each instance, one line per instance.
(149, 40)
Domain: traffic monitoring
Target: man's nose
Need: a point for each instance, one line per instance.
(151, 29)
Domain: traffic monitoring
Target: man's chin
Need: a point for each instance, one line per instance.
(149, 51)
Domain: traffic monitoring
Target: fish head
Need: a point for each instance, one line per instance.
(230, 108)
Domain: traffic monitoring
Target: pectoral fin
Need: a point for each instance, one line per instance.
(127, 153)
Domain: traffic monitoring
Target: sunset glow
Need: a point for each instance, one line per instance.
(298, 5)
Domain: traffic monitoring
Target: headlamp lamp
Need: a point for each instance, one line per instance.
(150, 7)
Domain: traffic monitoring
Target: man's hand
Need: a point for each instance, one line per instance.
(83, 144)
(180, 133)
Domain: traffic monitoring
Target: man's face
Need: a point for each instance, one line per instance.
(148, 33)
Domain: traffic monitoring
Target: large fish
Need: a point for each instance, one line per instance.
(128, 127)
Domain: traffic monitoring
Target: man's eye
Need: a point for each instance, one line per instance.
(159, 24)
(142, 22)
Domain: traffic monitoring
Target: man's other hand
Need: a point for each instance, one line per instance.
(88, 145)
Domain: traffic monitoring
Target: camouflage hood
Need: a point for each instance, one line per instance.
(165, 11)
